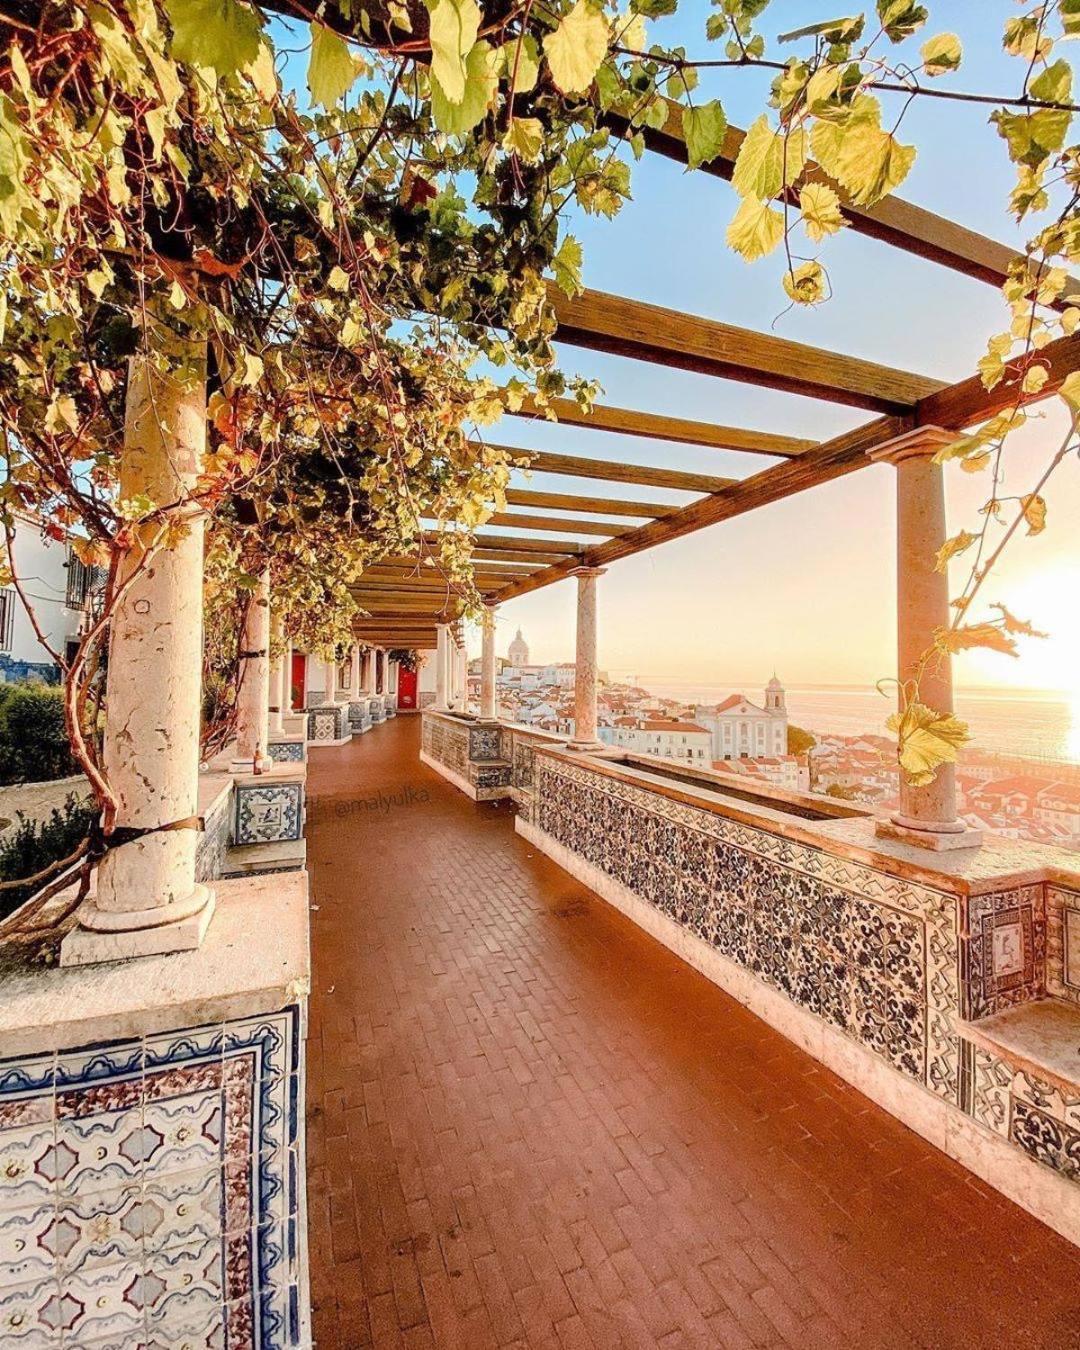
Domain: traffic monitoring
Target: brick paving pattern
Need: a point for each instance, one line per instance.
(530, 1125)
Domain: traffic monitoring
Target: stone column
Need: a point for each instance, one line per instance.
(927, 815)
(380, 671)
(488, 706)
(330, 693)
(147, 900)
(442, 640)
(585, 737)
(369, 671)
(354, 671)
(253, 693)
(279, 675)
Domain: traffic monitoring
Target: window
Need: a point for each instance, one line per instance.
(7, 618)
(82, 581)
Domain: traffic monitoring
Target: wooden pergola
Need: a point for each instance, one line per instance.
(405, 602)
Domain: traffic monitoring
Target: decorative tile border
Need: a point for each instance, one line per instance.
(268, 813)
(1063, 943)
(326, 723)
(286, 752)
(151, 1191)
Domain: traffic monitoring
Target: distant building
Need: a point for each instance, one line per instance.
(684, 741)
(61, 592)
(518, 652)
(743, 730)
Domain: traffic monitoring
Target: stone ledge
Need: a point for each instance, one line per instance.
(254, 959)
(1041, 1038)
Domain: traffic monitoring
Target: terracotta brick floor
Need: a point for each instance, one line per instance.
(531, 1125)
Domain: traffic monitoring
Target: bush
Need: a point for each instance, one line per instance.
(34, 844)
(34, 746)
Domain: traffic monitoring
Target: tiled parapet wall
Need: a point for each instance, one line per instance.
(893, 964)
(467, 752)
(1063, 943)
(215, 801)
(446, 740)
(151, 1140)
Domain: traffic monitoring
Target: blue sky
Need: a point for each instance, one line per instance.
(805, 586)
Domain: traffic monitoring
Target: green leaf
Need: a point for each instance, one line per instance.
(765, 164)
(1054, 85)
(220, 35)
(332, 70)
(481, 81)
(756, 229)
(832, 30)
(577, 47)
(567, 266)
(1069, 13)
(453, 28)
(704, 128)
(900, 18)
(941, 54)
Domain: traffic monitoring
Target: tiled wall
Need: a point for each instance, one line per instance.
(448, 742)
(1063, 943)
(151, 1191)
(891, 964)
(214, 840)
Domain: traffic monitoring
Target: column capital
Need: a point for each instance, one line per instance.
(918, 443)
(587, 571)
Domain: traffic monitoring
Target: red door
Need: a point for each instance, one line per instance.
(298, 692)
(406, 688)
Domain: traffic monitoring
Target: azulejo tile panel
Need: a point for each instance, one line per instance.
(873, 955)
(269, 813)
(1003, 954)
(1063, 943)
(286, 752)
(359, 719)
(485, 743)
(326, 724)
(448, 742)
(150, 1191)
(213, 842)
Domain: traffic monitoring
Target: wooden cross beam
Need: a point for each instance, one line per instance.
(611, 323)
(657, 426)
(576, 466)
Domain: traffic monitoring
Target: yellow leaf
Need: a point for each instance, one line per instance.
(926, 740)
(1034, 508)
(986, 636)
(338, 280)
(820, 208)
(872, 163)
(755, 230)
(951, 547)
(576, 49)
(525, 138)
(1034, 379)
(252, 372)
(976, 463)
(1070, 389)
(806, 284)
(453, 28)
(941, 54)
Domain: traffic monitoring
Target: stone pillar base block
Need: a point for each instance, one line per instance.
(85, 946)
(937, 841)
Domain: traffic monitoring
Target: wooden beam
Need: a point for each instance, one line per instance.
(657, 426)
(545, 461)
(514, 555)
(523, 544)
(612, 323)
(961, 405)
(553, 523)
(568, 501)
(409, 565)
(892, 220)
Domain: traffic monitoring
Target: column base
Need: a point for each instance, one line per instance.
(96, 938)
(587, 747)
(905, 831)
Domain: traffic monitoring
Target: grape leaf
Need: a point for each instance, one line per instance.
(704, 128)
(220, 35)
(577, 47)
(331, 67)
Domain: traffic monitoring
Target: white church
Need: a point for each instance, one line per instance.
(743, 730)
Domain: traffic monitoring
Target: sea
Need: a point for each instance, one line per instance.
(1034, 724)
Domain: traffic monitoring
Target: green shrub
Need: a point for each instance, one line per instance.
(34, 746)
(34, 844)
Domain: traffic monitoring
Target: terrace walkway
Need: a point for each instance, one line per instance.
(531, 1125)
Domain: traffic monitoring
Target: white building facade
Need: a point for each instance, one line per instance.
(57, 586)
(744, 730)
(685, 741)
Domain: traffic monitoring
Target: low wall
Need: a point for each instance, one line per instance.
(152, 1138)
(922, 979)
(468, 752)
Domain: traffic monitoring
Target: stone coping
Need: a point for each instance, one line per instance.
(1041, 1038)
(254, 959)
(212, 788)
(281, 771)
(997, 863)
(523, 729)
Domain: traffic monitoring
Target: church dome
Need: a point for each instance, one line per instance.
(519, 651)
